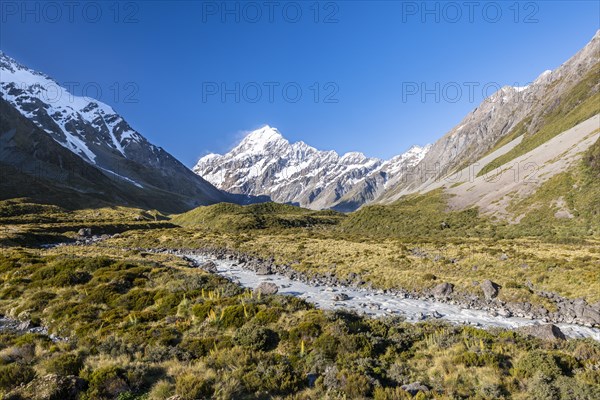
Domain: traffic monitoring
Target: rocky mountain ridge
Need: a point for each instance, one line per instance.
(98, 136)
(512, 112)
(265, 163)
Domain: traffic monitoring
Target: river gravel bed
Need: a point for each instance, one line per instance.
(376, 303)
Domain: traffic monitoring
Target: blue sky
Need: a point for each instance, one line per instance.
(174, 69)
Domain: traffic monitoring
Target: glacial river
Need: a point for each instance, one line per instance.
(372, 302)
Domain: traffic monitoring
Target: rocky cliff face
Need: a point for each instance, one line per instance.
(265, 163)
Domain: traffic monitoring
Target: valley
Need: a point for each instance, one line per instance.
(144, 313)
(468, 268)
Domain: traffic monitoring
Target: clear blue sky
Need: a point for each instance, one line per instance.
(176, 52)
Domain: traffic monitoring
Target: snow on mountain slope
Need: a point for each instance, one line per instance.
(265, 163)
(60, 113)
(97, 134)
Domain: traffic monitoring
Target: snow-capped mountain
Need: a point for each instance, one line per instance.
(98, 135)
(265, 163)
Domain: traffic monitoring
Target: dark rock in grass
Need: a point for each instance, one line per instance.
(85, 232)
(546, 332)
(414, 388)
(490, 289)
(443, 290)
(417, 252)
(267, 288)
(311, 379)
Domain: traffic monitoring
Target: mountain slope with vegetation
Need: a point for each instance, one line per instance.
(234, 217)
(555, 102)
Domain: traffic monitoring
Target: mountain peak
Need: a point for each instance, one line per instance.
(259, 140)
(353, 157)
(263, 135)
(265, 163)
(75, 130)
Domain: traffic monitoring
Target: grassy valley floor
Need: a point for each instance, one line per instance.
(146, 326)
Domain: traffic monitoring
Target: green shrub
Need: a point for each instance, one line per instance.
(268, 315)
(233, 317)
(39, 301)
(128, 396)
(304, 331)
(576, 389)
(161, 390)
(540, 387)
(354, 385)
(136, 299)
(192, 387)
(256, 337)
(326, 346)
(537, 361)
(429, 277)
(201, 311)
(64, 364)
(198, 347)
(15, 374)
(69, 278)
(107, 383)
(167, 302)
(276, 375)
(141, 376)
(473, 359)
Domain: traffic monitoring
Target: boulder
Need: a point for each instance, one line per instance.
(503, 312)
(546, 332)
(591, 316)
(414, 388)
(443, 290)
(85, 232)
(266, 288)
(579, 306)
(503, 257)
(490, 289)
(24, 326)
(263, 269)
(340, 297)
(209, 266)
